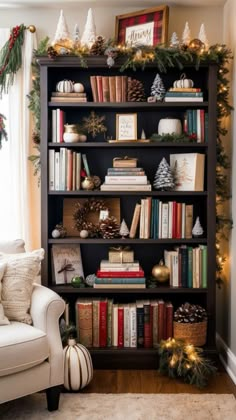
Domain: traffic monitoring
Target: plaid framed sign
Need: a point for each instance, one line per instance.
(146, 27)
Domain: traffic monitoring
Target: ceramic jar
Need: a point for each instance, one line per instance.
(169, 126)
(78, 367)
(70, 134)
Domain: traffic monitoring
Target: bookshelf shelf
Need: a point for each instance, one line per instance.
(100, 154)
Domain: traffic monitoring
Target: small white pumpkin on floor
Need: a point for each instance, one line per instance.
(78, 366)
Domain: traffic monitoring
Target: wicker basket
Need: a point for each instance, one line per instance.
(191, 333)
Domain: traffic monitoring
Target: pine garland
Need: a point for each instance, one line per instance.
(3, 133)
(11, 57)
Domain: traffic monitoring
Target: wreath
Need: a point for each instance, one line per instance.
(81, 213)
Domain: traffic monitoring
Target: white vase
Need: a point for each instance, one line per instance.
(169, 126)
(78, 367)
(70, 134)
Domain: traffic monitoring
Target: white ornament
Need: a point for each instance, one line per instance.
(78, 367)
(56, 233)
(83, 234)
(186, 37)
(197, 228)
(202, 36)
(90, 279)
(89, 34)
(62, 32)
(78, 87)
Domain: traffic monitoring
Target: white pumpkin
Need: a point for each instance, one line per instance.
(78, 367)
(66, 86)
(78, 87)
(183, 82)
(169, 126)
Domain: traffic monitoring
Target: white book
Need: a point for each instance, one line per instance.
(175, 268)
(51, 159)
(116, 269)
(115, 325)
(133, 325)
(58, 123)
(183, 217)
(62, 168)
(54, 125)
(142, 219)
(126, 326)
(120, 265)
(126, 187)
(57, 171)
(164, 220)
(170, 219)
(128, 179)
(183, 99)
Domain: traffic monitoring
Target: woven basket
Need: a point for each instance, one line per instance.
(191, 333)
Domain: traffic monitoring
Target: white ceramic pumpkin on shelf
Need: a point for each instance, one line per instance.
(65, 86)
(183, 82)
(78, 87)
(78, 367)
(169, 126)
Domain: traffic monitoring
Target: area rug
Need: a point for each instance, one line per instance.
(124, 407)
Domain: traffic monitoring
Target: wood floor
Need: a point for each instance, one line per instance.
(150, 381)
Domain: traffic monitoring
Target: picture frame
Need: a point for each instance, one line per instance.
(144, 27)
(66, 263)
(126, 127)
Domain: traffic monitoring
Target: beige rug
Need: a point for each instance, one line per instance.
(124, 407)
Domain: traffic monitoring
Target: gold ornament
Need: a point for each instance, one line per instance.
(196, 45)
(160, 272)
(32, 29)
(87, 183)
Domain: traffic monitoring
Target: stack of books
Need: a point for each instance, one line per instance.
(102, 323)
(184, 95)
(120, 275)
(126, 178)
(68, 97)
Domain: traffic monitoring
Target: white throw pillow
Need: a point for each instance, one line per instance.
(17, 283)
(3, 318)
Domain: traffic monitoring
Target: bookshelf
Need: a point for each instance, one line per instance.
(100, 154)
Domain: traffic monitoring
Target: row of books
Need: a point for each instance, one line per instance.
(103, 323)
(158, 220)
(184, 95)
(126, 179)
(68, 97)
(58, 121)
(64, 170)
(188, 266)
(196, 124)
(109, 88)
(129, 275)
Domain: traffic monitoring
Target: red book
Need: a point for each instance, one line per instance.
(169, 320)
(103, 323)
(147, 326)
(179, 220)
(120, 326)
(102, 274)
(174, 220)
(161, 309)
(99, 88)
(69, 170)
(62, 121)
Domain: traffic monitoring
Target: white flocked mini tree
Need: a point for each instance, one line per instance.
(124, 231)
(89, 34)
(174, 40)
(203, 36)
(186, 37)
(164, 179)
(76, 35)
(62, 32)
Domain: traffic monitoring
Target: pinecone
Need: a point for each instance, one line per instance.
(188, 313)
(135, 91)
(52, 53)
(109, 228)
(98, 46)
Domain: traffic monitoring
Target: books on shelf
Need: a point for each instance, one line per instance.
(125, 179)
(121, 273)
(106, 265)
(119, 286)
(58, 121)
(189, 171)
(126, 187)
(64, 170)
(109, 88)
(177, 94)
(195, 124)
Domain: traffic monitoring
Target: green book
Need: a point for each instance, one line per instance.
(190, 267)
(204, 265)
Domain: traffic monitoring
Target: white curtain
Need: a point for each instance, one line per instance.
(15, 170)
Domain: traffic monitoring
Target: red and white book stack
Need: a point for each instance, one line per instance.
(120, 275)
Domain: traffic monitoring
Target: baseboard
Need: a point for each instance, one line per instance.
(227, 357)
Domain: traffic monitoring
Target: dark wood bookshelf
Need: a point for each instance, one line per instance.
(149, 154)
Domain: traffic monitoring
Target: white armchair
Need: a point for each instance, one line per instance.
(31, 356)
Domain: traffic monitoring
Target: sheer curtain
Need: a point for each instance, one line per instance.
(16, 184)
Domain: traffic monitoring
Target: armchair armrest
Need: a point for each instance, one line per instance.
(46, 308)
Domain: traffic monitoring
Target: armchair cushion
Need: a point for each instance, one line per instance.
(3, 319)
(12, 247)
(22, 346)
(17, 283)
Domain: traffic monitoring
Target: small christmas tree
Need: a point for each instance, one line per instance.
(197, 228)
(76, 36)
(174, 40)
(202, 36)
(186, 37)
(158, 89)
(89, 34)
(163, 179)
(62, 33)
(124, 231)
